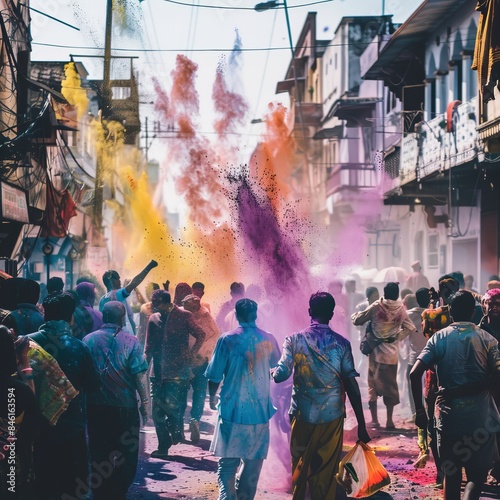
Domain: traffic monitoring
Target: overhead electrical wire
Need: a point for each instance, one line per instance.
(224, 7)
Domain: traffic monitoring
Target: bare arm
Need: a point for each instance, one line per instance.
(352, 389)
(137, 280)
(140, 385)
(213, 387)
(416, 390)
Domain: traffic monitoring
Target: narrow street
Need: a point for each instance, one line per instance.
(190, 473)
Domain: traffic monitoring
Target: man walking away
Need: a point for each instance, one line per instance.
(323, 368)
(113, 418)
(167, 344)
(63, 447)
(466, 417)
(390, 323)
(242, 360)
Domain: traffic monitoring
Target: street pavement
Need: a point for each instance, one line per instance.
(190, 471)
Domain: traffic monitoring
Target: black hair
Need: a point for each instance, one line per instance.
(462, 306)
(59, 307)
(199, 285)
(55, 284)
(321, 305)
(108, 276)
(370, 290)
(246, 310)
(391, 291)
(423, 297)
(237, 289)
(160, 297)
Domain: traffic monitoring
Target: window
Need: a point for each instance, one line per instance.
(120, 93)
(433, 251)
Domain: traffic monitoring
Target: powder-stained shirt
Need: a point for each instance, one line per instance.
(464, 354)
(167, 343)
(389, 319)
(434, 319)
(118, 357)
(320, 360)
(242, 360)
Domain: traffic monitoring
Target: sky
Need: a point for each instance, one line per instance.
(156, 31)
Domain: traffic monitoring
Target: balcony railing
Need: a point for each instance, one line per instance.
(346, 176)
(433, 148)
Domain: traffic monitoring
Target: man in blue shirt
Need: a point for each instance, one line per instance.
(323, 370)
(242, 360)
(113, 417)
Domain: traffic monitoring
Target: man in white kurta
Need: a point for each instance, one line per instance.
(242, 361)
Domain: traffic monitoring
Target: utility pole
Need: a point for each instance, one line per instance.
(105, 113)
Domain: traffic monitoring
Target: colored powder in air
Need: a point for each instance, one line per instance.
(71, 89)
(274, 158)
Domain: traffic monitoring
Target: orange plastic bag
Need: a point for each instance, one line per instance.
(360, 472)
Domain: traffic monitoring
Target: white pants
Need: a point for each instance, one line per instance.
(241, 486)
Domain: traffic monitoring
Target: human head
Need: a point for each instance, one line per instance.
(468, 281)
(410, 301)
(55, 285)
(237, 290)
(191, 303)
(150, 288)
(111, 280)
(448, 285)
(8, 359)
(416, 266)
(491, 303)
(113, 312)
(17, 291)
(59, 307)
(181, 291)
(86, 292)
(391, 291)
(350, 286)
(462, 306)
(335, 286)
(372, 294)
(493, 284)
(405, 292)
(198, 289)
(321, 306)
(246, 310)
(160, 300)
(423, 297)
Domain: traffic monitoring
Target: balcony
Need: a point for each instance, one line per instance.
(311, 114)
(448, 140)
(350, 177)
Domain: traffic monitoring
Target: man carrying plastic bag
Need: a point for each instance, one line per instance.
(323, 371)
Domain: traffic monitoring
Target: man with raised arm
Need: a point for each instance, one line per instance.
(112, 282)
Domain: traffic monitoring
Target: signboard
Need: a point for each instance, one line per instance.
(14, 203)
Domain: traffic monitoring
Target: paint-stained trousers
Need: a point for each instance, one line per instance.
(238, 485)
(169, 404)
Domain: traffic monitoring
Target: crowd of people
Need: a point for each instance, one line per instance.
(78, 380)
